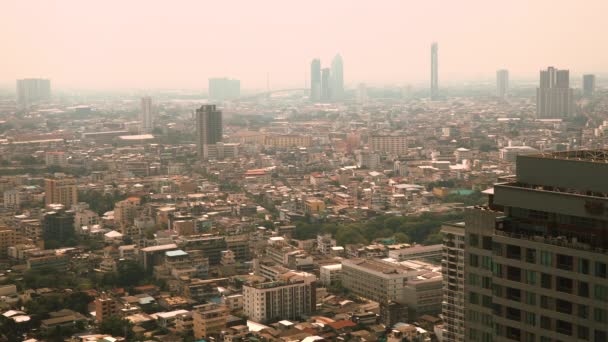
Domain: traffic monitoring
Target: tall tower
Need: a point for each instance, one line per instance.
(325, 85)
(31, 91)
(315, 80)
(146, 115)
(434, 72)
(337, 78)
(588, 85)
(554, 97)
(502, 83)
(208, 129)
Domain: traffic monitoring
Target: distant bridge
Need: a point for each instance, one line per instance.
(268, 93)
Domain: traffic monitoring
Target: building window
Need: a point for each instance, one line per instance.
(583, 311)
(545, 280)
(530, 318)
(564, 284)
(564, 327)
(473, 240)
(583, 266)
(486, 243)
(600, 336)
(531, 255)
(565, 262)
(513, 252)
(546, 302)
(563, 306)
(486, 283)
(530, 277)
(514, 273)
(600, 269)
(600, 315)
(546, 258)
(530, 298)
(582, 332)
(601, 292)
(473, 298)
(474, 260)
(486, 262)
(545, 322)
(583, 289)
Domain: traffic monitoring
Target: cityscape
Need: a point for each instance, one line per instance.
(251, 204)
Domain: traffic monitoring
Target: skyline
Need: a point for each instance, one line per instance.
(157, 46)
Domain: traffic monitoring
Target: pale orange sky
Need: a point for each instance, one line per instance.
(181, 43)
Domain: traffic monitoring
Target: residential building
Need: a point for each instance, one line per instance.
(537, 255)
(56, 158)
(146, 115)
(209, 129)
(278, 300)
(32, 91)
(8, 238)
(554, 97)
(208, 320)
(61, 190)
(105, 307)
(588, 85)
(452, 269)
(391, 144)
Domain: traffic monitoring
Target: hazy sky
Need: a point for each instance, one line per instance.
(181, 43)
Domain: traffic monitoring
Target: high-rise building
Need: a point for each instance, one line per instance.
(58, 226)
(554, 97)
(434, 72)
(391, 144)
(325, 85)
(208, 320)
(537, 256)
(588, 85)
(452, 269)
(315, 80)
(209, 129)
(60, 191)
(146, 116)
(502, 83)
(277, 300)
(32, 91)
(105, 307)
(222, 89)
(337, 78)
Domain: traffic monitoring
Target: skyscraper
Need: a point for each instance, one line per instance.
(222, 89)
(337, 78)
(209, 129)
(315, 80)
(31, 91)
(588, 85)
(554, 97)
(325, 85)
(146, 115)
(502, 83)
(434, 72)
(537, 256)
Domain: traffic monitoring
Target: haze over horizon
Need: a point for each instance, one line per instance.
(116, 44)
